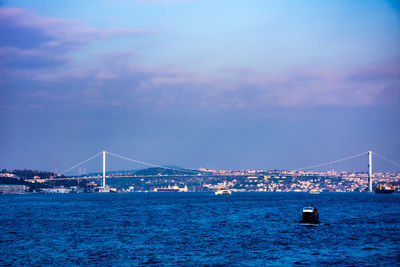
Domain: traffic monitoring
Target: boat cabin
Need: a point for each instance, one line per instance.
(310, 215)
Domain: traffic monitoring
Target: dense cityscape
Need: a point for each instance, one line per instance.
(202, 180)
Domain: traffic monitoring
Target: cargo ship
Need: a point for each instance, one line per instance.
(384, 189)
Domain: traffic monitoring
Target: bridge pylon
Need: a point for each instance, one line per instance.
(104, 169)
(370, 171)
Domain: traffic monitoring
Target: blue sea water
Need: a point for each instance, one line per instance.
(252, 229)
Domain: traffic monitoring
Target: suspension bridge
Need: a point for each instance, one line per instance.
(190, 172)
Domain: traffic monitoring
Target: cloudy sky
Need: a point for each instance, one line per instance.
(257, 84)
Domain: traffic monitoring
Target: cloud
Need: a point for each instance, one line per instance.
(119, 81)
(365, 86)
(38, 56)
(375, 73)
(28, 40)
(130, 84)
(17, 58)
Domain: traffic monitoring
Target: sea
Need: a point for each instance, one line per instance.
(202, 229)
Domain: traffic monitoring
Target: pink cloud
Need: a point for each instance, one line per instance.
(63, 29)
(375, 72)
(30, 41)
(118, 80)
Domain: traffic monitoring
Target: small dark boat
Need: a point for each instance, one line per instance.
(310, 216)
(384, 189)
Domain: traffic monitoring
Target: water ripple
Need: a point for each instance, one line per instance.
(248, 229)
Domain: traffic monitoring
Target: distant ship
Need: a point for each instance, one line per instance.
(314, 192)
(384, 189)
(223, 191)
(171, 189)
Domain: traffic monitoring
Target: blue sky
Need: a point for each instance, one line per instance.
(215, 84)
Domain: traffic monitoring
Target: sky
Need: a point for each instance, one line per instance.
(257, 84)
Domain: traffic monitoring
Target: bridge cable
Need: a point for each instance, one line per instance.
(332, 162)
(388, 160)
(79, 164)
(150, 164)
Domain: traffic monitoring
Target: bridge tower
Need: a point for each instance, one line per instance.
(370, 171)
(104, 169)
